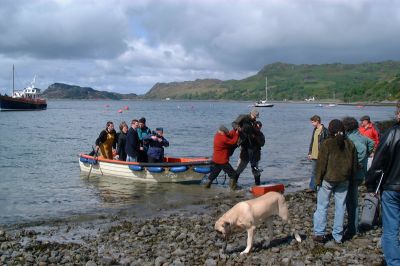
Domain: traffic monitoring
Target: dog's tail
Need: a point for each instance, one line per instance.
(284, 214)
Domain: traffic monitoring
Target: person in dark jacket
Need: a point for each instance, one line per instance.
(143, 131)
(156, 143)
(132, 145)
(337, 164)
(320, 133)
(364, 147)
(123, 127)
(107, 141)
(387, 160)
(223, 142)
(245, 124)
(251, 152)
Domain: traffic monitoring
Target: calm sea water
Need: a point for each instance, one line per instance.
(39, 172)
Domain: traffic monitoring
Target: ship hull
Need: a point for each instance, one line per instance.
(21, 104)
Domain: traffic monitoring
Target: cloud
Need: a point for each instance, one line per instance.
(128, 46)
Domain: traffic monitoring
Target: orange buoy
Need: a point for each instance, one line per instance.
(120, 111)
(126, 107)
(261, 190)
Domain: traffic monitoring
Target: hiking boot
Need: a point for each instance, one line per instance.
(257, 180)
(320, 239)
(208, 184)
(233, 184)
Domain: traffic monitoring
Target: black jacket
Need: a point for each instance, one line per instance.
(132, 145)
(121, 146)
(246, 123)
(386, 159)
(321, 137)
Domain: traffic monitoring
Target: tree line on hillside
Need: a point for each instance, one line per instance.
(340, 82)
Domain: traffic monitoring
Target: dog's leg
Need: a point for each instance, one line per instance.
(250, 234)
(270, 230)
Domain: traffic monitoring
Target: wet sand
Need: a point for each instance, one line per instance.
(183, 237)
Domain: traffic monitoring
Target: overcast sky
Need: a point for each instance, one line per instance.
(128, 46)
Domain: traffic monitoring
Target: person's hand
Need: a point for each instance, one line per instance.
(309, 157)
(97, 148)
(159, 139)
(141, 148)
(154, 137)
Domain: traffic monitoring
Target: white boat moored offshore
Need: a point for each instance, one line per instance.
(264, 103)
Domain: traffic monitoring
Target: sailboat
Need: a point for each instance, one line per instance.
(27, 99)
(264, 103)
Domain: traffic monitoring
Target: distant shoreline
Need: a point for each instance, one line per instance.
(393, 103)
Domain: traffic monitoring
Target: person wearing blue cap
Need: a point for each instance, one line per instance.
(156, 142)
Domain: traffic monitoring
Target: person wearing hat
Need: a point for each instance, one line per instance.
(364, 147)
(143, 131)
(368, 129)
(156, 143)
(387, 160)
(224, 140)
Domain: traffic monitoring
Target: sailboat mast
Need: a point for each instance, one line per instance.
(266, 88)
(13, 81)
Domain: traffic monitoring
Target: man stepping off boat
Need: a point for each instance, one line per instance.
(224, 141)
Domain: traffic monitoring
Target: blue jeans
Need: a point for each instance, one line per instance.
(131, 159)
(352, 207)
(391, 226)
(313, 174)
(339, 190)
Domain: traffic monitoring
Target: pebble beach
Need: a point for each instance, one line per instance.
(184, 237)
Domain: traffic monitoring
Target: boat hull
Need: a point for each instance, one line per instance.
(21, 104)
(175, 171)
(262, 189)
(263, 105)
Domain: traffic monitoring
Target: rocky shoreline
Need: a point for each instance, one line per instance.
(184, 237)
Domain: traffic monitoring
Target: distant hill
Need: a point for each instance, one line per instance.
(65, 91)
(199, 89)
(340, 82)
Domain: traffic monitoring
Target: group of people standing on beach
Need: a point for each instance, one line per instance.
(135, 144)
(339, 156)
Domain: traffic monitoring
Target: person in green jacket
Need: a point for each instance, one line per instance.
(336, 166)
(143, 132)
(364, 147)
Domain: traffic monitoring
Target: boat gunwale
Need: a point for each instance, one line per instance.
(191, 161)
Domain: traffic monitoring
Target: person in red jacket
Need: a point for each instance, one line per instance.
(224, 140)
(367, 128)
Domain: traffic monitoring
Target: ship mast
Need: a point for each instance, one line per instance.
(13, 81)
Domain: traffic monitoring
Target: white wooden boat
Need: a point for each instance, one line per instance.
(172, 170)
(264, 103)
